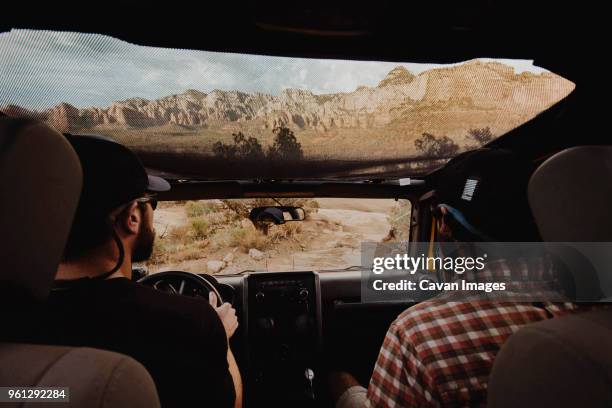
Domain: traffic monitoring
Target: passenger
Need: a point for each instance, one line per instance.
(182, 341)
(440, 352)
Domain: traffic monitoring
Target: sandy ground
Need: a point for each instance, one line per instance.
(169, 217)
(349, 222)
(330, 239)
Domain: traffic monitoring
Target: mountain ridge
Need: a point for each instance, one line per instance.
(479, 85)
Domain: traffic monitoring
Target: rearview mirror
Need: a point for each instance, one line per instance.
(277, 214)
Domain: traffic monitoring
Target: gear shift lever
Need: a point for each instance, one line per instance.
(309, 374)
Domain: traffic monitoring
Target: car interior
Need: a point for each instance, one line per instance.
(297, 323)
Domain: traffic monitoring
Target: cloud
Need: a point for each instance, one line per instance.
(39, 69)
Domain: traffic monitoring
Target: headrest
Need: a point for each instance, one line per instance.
(570, 195)
(40, 184)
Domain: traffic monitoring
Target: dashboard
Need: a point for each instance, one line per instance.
(294, 326)
(282, 318)
(279, 338)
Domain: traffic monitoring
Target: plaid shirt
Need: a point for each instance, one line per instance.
(440, 352)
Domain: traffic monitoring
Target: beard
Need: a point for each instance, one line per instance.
(143, 245)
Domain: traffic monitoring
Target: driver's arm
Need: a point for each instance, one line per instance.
(227, 315)
(235, 373)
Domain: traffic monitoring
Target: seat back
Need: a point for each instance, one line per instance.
(561, 362)
(570, 195)
(40, 188)
(565, 361)
(94, 378)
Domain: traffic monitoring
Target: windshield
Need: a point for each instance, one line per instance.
(188, 114)
(217, 236)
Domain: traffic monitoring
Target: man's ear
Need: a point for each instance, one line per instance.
(129, 219)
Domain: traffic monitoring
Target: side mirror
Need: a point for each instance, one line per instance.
(277, 215)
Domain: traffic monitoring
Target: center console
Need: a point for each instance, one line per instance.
(283, 327)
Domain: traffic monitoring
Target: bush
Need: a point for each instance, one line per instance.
(200, 228)
(247, 238)
(480, 136)
(189, 253)
(219, 218)
(244, 147)
(238, 208)
(433, 147)
(161, 252)
(236, 235)
(179, 236)
(195, 209)
(283, 232)
(285, 147)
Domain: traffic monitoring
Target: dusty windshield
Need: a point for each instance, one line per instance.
(217, 236)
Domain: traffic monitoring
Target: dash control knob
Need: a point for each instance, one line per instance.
(304, 294)
(259, 296)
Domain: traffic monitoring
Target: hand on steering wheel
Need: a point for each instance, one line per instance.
(176, 282)
(226, 313)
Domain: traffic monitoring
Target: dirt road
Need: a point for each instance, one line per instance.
(330, 238)
(339, 227)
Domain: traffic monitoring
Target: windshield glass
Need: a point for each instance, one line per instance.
(217, 236)
(190, 113)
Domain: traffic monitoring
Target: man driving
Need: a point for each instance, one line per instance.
(440, 352)
(182, 341)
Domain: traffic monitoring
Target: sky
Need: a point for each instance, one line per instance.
(39, 69)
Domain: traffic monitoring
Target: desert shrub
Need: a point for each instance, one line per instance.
(278, 233)
(238, 208)
(195, 209)
(161, 252)
(200, 228)
(175, 245)
(480, 136)
(313, 204)
(179, 236)
(189, 253)
(243, 147)
(285, 146)
(436, 147)
(218, 218)
(236, 235)
(247, 238)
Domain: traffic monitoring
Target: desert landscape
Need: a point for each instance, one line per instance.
(407, 123)
(216, 237)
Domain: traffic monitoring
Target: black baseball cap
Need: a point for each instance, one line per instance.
(489, 187)
(112, 176)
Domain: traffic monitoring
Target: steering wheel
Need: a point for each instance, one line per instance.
(183, 283)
